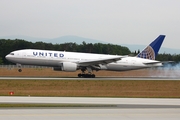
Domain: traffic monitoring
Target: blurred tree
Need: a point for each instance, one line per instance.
(1, 61)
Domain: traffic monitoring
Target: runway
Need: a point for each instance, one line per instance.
(123, 108)
(89, 100)
(90, 114)
(97, 78)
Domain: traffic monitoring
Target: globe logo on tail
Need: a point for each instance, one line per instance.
(147, 53)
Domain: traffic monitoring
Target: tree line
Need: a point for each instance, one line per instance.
(7, 46)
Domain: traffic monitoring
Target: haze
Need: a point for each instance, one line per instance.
(113, 21)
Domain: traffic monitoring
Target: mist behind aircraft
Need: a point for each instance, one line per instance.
(171, 70)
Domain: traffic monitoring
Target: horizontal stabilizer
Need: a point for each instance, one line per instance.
(151, 63)
(167, 62)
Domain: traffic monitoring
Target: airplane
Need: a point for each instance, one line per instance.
(87, 62)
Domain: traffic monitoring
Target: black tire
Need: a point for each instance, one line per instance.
(19, 70)
(79, 75)
(93, 76)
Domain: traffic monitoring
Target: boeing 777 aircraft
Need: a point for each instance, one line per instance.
(72, 61)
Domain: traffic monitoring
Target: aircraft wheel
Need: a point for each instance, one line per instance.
(79, 75)
(19, 70)
(83, 75)
(93, 75)
(86, 75)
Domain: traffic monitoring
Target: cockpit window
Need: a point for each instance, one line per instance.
(11, 53)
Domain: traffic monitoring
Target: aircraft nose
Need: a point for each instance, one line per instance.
(7, 57)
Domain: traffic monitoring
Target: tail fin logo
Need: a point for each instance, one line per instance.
(151, 51)
(147, 53)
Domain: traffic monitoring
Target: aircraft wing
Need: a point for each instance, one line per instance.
(99, 61)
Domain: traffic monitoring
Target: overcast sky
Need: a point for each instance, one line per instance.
(113, 21)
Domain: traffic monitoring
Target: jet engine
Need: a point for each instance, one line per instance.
(66, 66)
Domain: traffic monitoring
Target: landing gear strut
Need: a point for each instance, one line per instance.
(86, 75)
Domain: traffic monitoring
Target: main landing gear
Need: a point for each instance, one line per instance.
(83, 75)
(86, 75)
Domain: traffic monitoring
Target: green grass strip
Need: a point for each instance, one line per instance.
(5, 105)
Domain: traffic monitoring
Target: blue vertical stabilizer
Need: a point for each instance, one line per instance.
(151, 51)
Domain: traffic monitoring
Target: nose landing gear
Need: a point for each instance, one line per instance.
(19, 70)
(19, 67)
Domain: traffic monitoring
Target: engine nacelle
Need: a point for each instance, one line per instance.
(66, 66)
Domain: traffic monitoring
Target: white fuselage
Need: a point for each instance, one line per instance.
(55, 58)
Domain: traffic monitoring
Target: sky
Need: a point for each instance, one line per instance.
(113, 21)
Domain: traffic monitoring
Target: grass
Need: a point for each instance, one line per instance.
(94, 88)
(52, 105)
